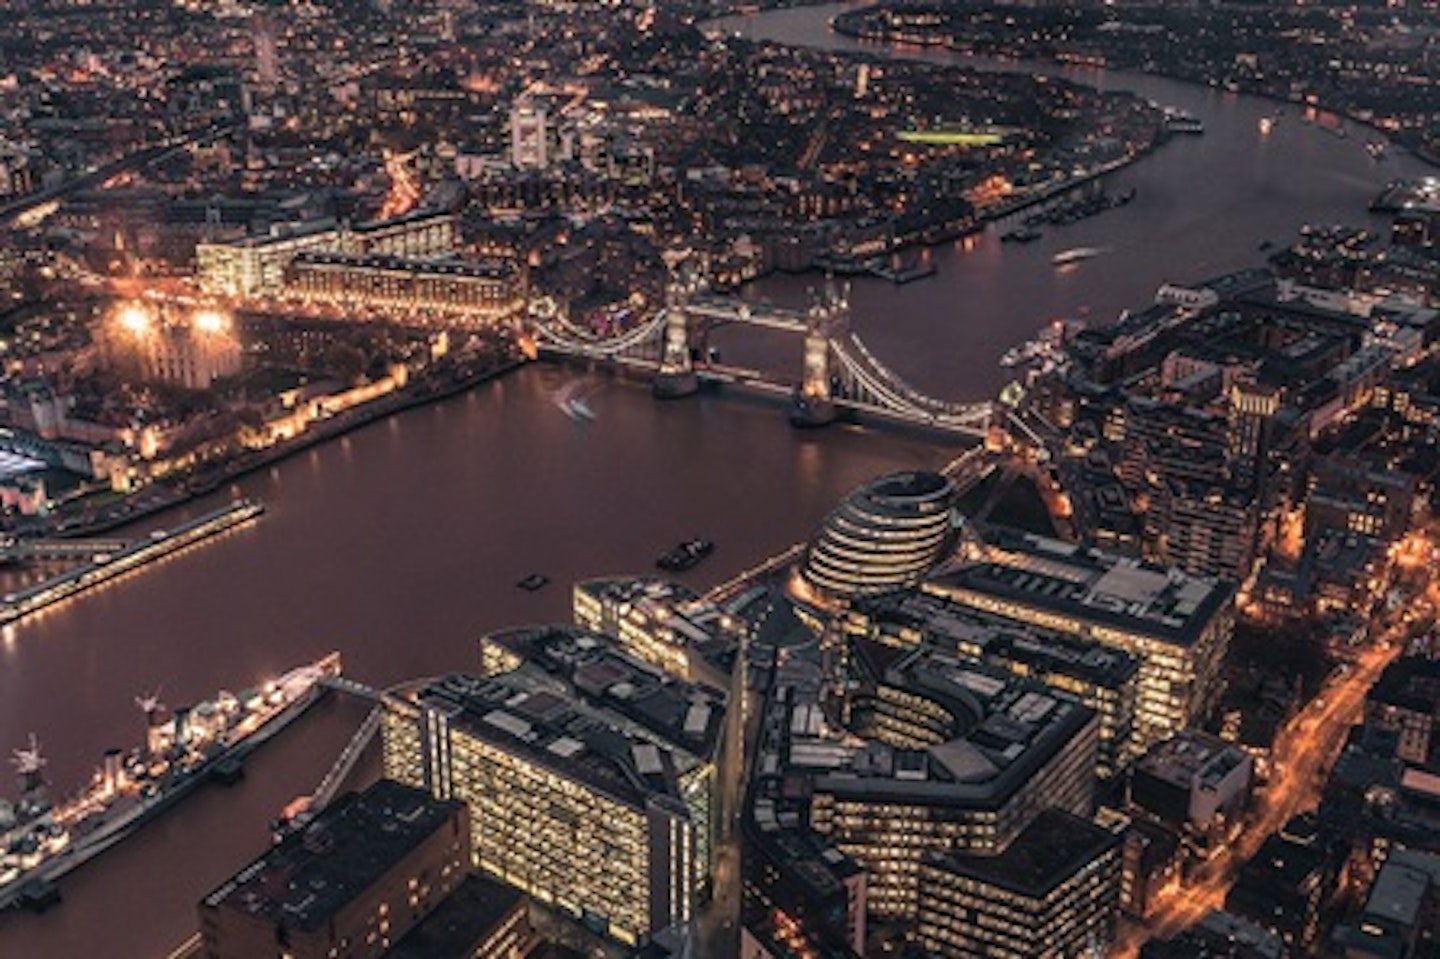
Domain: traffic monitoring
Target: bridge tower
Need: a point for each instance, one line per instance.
(812, 403)
(676, 376)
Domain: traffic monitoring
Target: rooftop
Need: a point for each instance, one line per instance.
(993, 638)
(1192, 759)
(1004, 729)
(457, 925)
(310, 875)
(578, 705)
(1055, 846)
(1087, 585)
(686, 618)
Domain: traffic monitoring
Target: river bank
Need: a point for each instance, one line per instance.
(401, 543)
(847, 24)
(151, 501)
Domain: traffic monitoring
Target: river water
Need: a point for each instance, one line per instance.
(1203, 206)
(401, 543)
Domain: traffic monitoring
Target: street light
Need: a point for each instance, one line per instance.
(136, 319)
(210, 321)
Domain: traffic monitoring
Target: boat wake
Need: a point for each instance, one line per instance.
(574, 404)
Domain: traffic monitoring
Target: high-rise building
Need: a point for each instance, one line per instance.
(256, 265)
(1053, 893)
(1177, 625)
(1195, 783)
(1406, 699)
(592, 772)
(1206, 530)
(530, 132)
(352, 882)
(884, 536)
(1102, 677)
(662, 622)
(951, 755)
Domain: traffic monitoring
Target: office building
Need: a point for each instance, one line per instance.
(1351, 495)
(351, 882)
(1406, 699)
(941, 754)
(1206, 530)
(455, 292)
(1103, 678)
(1177, 625)
(593, 773)
(662, 622)
(1401, 918)
(1283, 888)
(256, 265)
(1053, 893)
(1150, 863)
(799, 887)
(1194, 783)
(481, 919)
(884, 536)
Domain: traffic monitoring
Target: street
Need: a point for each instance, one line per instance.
(1305, 749)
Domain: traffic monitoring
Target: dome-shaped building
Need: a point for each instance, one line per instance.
(884, 536)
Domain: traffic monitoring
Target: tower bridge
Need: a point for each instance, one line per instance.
(840, 375)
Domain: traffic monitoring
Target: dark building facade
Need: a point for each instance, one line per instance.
(351, 883)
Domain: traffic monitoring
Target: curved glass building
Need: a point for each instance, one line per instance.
(884, 536)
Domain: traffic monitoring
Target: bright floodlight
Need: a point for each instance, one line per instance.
(135, 318)
(210, 321)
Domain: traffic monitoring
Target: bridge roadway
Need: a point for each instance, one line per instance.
(758, 382)
(850, 378)
(730, 310)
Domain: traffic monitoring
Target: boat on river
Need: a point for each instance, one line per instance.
(42, 840)
(685, 555)
(1077, 255)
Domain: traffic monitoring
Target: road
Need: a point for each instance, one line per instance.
(1304, 751)
(131, 161)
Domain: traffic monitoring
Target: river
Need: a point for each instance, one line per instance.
(400, 543)
(1203, 206)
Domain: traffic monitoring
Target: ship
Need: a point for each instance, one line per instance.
(1179, 121)
(41, 840)
(1027, 235)
(533, 582)
(685, 555)
(1076, 255)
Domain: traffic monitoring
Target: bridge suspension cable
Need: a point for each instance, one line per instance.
(892, 390)
(564, 334)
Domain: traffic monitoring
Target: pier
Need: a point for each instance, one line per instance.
(104, 565)
(52, 550)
